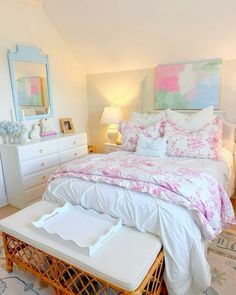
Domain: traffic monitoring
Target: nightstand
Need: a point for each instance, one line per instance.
(91, 149)
(111, 147)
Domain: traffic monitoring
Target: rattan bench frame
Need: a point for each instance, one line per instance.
(67, 279)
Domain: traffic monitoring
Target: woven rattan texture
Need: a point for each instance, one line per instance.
(68, 279)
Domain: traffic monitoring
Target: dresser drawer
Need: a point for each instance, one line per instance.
(40, 164)
(71, 142)
(33, 194)
(37, 178)
(36, 150)
(73, 154)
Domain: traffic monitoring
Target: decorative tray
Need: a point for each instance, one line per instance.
(87, 228)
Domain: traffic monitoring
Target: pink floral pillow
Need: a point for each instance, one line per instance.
(155, 130)
(217, 127)
(131, 130)
(214, 128)
(204, 143)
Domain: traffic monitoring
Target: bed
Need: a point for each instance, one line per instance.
(182, 233)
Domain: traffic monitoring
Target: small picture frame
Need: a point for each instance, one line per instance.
(67, 125)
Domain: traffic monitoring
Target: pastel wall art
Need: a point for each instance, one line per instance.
(30, 91)
(194, 85)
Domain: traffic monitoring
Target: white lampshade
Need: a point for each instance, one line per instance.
(111, 115)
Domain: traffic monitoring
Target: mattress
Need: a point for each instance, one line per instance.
(181, 237)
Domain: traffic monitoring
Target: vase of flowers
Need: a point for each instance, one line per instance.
(3, 131)
(13, 130)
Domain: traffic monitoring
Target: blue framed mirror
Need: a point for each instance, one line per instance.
(30, 81)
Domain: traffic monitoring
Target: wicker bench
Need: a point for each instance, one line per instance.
(131, 262)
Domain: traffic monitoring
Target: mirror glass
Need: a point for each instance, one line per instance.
(30, 81)
(31, 88)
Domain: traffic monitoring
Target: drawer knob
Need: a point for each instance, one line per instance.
(75, 154)
(43, 177)
(42, 164)
(74, 142)
(40, 151)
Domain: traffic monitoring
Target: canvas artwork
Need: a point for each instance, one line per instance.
(194, 85)
(30, 91)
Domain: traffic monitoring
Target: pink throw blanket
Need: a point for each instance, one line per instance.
(191, 188)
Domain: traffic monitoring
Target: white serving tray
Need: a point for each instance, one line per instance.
(87, 228)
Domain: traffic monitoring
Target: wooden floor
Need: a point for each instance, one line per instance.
(7, 211)
(230, 226)
(233, 201)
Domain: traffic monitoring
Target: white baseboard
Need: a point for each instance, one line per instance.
(3, 204)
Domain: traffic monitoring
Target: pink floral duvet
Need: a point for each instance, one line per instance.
(194, 189)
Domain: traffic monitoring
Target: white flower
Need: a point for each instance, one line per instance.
(12, 128)
(3, 126)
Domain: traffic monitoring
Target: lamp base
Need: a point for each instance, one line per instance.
(112, 133)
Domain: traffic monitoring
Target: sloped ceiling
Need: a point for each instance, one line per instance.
(114, 35)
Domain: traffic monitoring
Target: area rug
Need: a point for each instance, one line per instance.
(20, 282)
(221, 256)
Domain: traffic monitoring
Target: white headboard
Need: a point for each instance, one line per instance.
(228, 129)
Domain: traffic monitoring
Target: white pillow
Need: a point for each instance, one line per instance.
(147, 119)
(191, 122)
(147, 146)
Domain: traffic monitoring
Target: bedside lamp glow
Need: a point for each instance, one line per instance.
(112, 117)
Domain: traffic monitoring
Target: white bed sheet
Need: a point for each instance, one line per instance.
(186, 265)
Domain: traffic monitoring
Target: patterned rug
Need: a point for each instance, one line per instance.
(221, 257)
(20, 282)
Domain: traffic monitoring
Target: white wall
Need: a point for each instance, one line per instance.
(3, 198)
(133, 91)
(115, 38)
(24, 22)
(121, 35)
(118, 88)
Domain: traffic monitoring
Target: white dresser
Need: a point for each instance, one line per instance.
(27, 166)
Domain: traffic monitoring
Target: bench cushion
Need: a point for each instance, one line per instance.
(123, 261)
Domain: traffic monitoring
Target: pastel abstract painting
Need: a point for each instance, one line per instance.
(30, 91)
(194, 85)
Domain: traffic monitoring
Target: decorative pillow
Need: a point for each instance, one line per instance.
(151, 147)
(155, 130)
(147, 119)
(215, 128)
(191, 122)
(122, 126)
(131, 130)
(204, 143)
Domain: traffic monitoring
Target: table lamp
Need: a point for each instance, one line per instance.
(112, 117)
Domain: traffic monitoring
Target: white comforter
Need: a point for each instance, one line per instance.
(186, 265)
